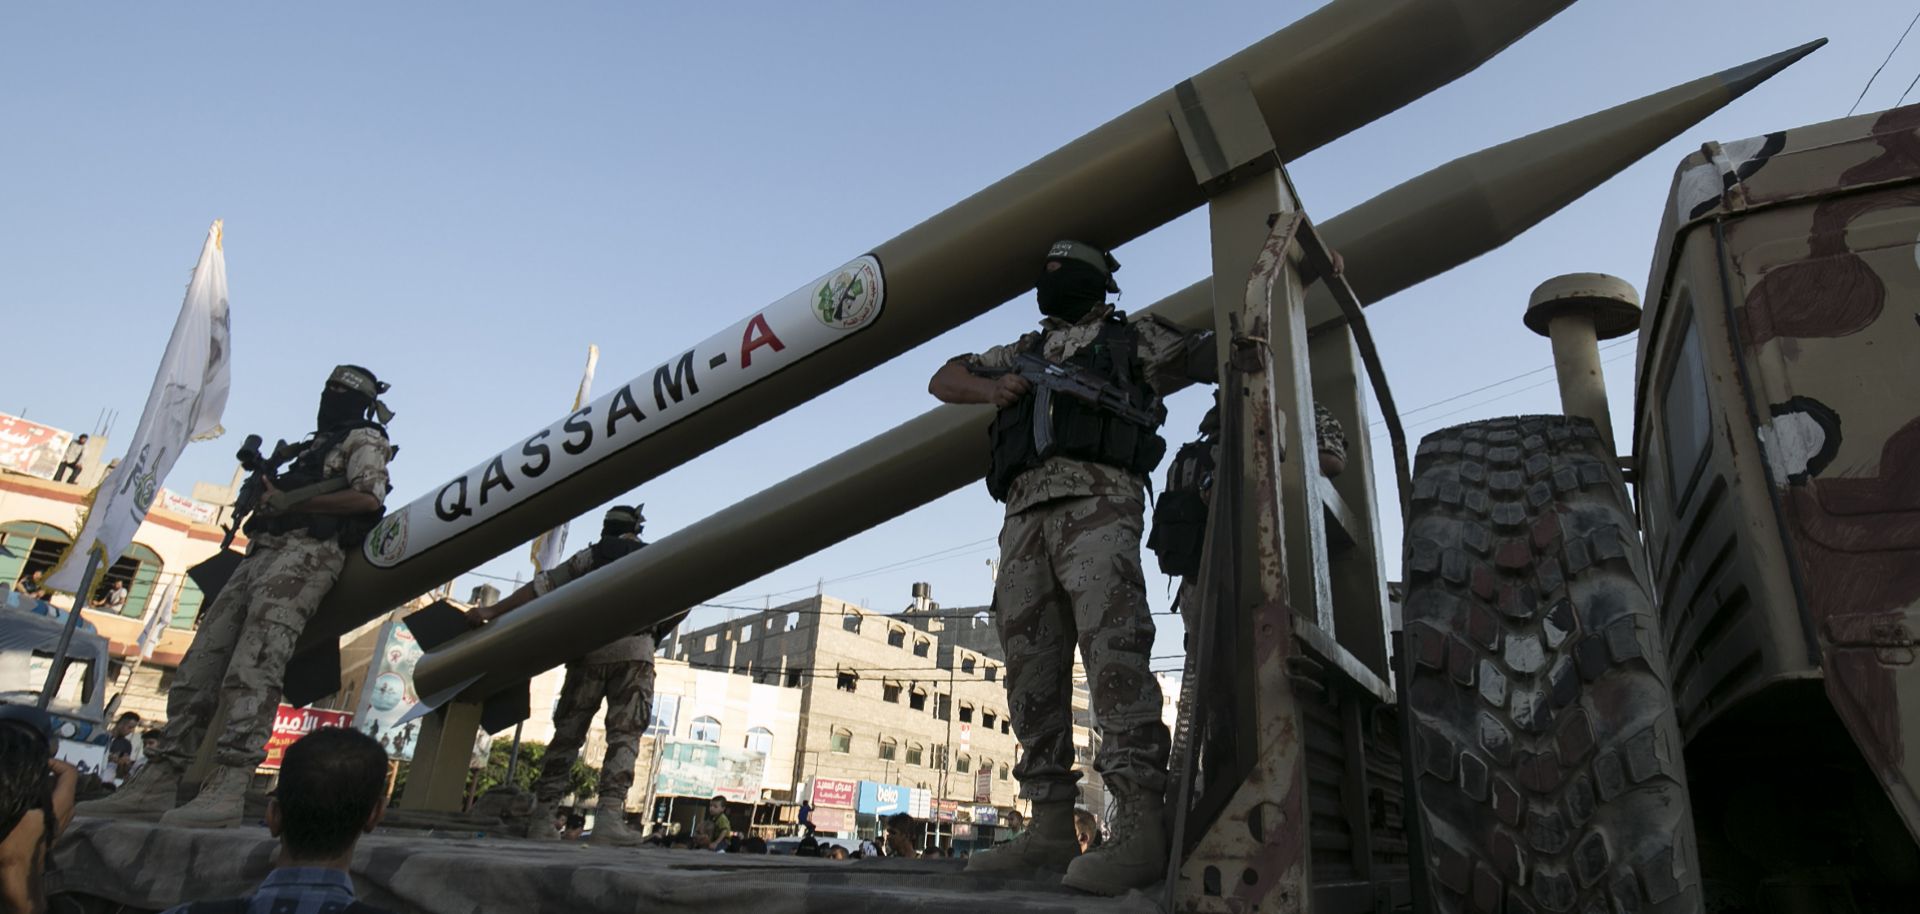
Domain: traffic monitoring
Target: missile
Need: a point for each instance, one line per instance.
(1449, 198)
(1333, 70)
(1471, 206)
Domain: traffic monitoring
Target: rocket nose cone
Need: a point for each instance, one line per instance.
(1744, 77)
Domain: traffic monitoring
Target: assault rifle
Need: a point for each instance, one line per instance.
(262, 470)
(1050, 379)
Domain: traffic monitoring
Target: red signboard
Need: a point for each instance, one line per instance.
(837, 822)
(289, 724)
(31, 448)
(835, 792)
(944, 810)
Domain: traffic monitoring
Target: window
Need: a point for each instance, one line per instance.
(1003, 772)
(988, 719)
(890, 691)
(993, 672)
(76, 678)
(889, 748)
(793, 678)
(1006, 725)
(939, 756)
(966, 664)
(187, 609)
(966, 713)
(920, 646)
(705, 729)
(896, 637)
(963, 764)
(1687, 419)
(850, 622)
(713, 643)
(917, 700)
(35, 547)
(916, 754)
(943, 707)
(746, 633)
(847, 681)
(842, 740)
(138, 568)
(760, 739)
(664, 717)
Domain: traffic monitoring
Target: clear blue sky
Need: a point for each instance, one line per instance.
(463, 196)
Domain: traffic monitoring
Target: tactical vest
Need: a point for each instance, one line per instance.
(1081, 430)
(605, 552)
(308, 468)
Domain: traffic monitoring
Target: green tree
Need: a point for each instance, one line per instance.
(582, 781)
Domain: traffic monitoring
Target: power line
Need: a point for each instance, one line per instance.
(1903, 93)
(1430, 421)
(1486, 387)
(1882, 66)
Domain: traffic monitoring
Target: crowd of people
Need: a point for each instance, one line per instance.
(333, 789)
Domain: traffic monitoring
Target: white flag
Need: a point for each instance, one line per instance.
(550, 548)
(189, 394)
(159, 613)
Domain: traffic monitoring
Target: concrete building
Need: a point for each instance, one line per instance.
(38, 520)
(914, 700)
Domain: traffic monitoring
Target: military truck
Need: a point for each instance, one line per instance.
(29, 638)
(1754, 609)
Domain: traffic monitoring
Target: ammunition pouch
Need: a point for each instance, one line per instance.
(350, 529)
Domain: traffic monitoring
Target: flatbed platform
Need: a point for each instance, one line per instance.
(125, 865)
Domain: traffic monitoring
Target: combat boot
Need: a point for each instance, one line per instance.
(222, 801)
(150, 792)
(1047, 844)
(610, 828)
(1134, 857)
(540, 822)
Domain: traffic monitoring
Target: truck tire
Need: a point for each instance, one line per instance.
(1547, 753)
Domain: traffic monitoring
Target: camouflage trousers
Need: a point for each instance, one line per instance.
(1070, 576)
(241, 650)
(628, 689)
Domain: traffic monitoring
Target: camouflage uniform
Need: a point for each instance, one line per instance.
(1070, 576)
(620, 672)
(247, 635)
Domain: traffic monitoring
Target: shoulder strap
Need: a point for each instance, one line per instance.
(1121, 342)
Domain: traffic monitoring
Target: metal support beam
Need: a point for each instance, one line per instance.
(1359, 571)
(1249, 847)
(437, 778)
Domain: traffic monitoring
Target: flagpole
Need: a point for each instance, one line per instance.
(58, 668)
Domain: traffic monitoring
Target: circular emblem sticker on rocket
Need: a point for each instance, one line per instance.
(388, 542)
(851, 297)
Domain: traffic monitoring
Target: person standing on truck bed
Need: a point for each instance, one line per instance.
(324, 504)
(1070, 561)
(621, 672)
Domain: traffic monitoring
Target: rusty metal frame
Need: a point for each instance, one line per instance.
(1281, 620)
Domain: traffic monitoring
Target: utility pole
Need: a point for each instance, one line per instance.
(947, 758)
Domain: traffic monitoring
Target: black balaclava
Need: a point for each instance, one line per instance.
(1075, 280)
(350, 395)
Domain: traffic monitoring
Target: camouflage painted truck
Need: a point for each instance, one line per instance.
(1753, 611)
